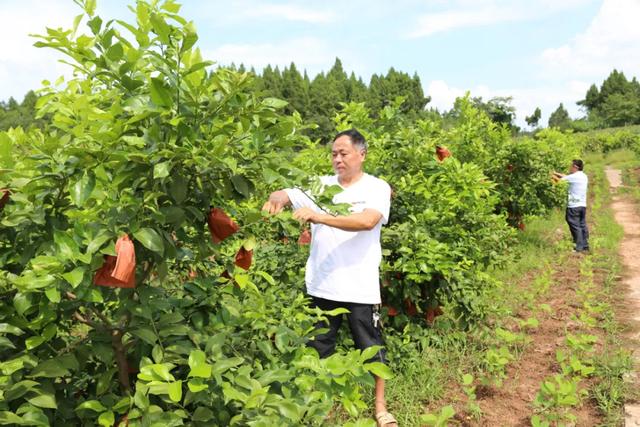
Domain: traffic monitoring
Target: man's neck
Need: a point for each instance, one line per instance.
(348, 181)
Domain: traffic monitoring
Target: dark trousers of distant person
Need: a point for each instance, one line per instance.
(577, 220)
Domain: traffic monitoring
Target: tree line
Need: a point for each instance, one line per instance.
(615, 103)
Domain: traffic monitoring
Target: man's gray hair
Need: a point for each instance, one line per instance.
(356, 138)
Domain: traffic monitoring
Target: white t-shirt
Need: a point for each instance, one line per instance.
(344, 265)
(578, 182)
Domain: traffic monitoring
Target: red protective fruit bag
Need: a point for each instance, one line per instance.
(391, 311)
(442, 152)
(244, 258)
(5, 198)
(220, 225)
(432, 313)
(305, 237)
(118, 271)
(410, 307)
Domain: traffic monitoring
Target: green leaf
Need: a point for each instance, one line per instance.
(290, 410)
(23, 302)
(19, 389)
(145, 334)
(5, 343)
(379, 369)
(175, 391)
(90, 7)
(115, 52)
(274, 103)
(67, 247)
(160, 27)
(82, 189)
(31, 281)
(6, 328)
(92, 405)
(44, 401)
(224, 365)
(249, 243)
(54, 368)
(96, 243)
(241, 185)
(104, 381)
(95, 25)
(75, 276)
(160, 94)
(157, 354)
(9, 418)
(196, 385)
(369, 352)
(161, 170)
(202, 414)
(107, 419)
(53, 295)
(150, 239)
(178, 189)
(190, 37)
(33, 342)
(171, 7)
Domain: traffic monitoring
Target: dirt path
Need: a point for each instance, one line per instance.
(626, 215)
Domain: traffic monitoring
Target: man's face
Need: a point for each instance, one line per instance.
(347, 159)
(573, 168)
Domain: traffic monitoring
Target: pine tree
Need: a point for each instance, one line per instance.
(560, 118)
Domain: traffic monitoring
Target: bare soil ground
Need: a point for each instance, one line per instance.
(512, 404)
(626, 214)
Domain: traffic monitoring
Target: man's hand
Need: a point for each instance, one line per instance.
(306, 215)
(277, 201)
(556, 176)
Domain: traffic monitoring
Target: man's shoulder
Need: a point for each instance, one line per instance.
(329, 179)
(375, 181)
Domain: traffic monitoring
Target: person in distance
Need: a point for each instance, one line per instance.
(576, 213)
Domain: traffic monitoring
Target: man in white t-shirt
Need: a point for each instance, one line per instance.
(576, 214)
(343, 266)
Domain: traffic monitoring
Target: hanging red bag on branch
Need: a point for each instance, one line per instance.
(442, 152)
(244, 258)
(220, 225)
(118, 271)
(5, 197)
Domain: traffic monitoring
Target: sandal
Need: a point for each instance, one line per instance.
(385, 419)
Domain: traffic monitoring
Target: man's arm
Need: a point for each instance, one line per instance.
(557, 176)
(276, 202)
(361, 221)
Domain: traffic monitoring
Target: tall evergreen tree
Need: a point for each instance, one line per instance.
(295, 91)
(560, 118)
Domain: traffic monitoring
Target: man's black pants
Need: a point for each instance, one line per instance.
(577, 220)
(364, 322)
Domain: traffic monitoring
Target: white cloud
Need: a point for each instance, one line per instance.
(23, 66)
(291, 12)
(308, 53)
(445, 21)
(612, 40)
(466, 14)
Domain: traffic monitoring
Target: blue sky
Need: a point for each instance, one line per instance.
(541, 52)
